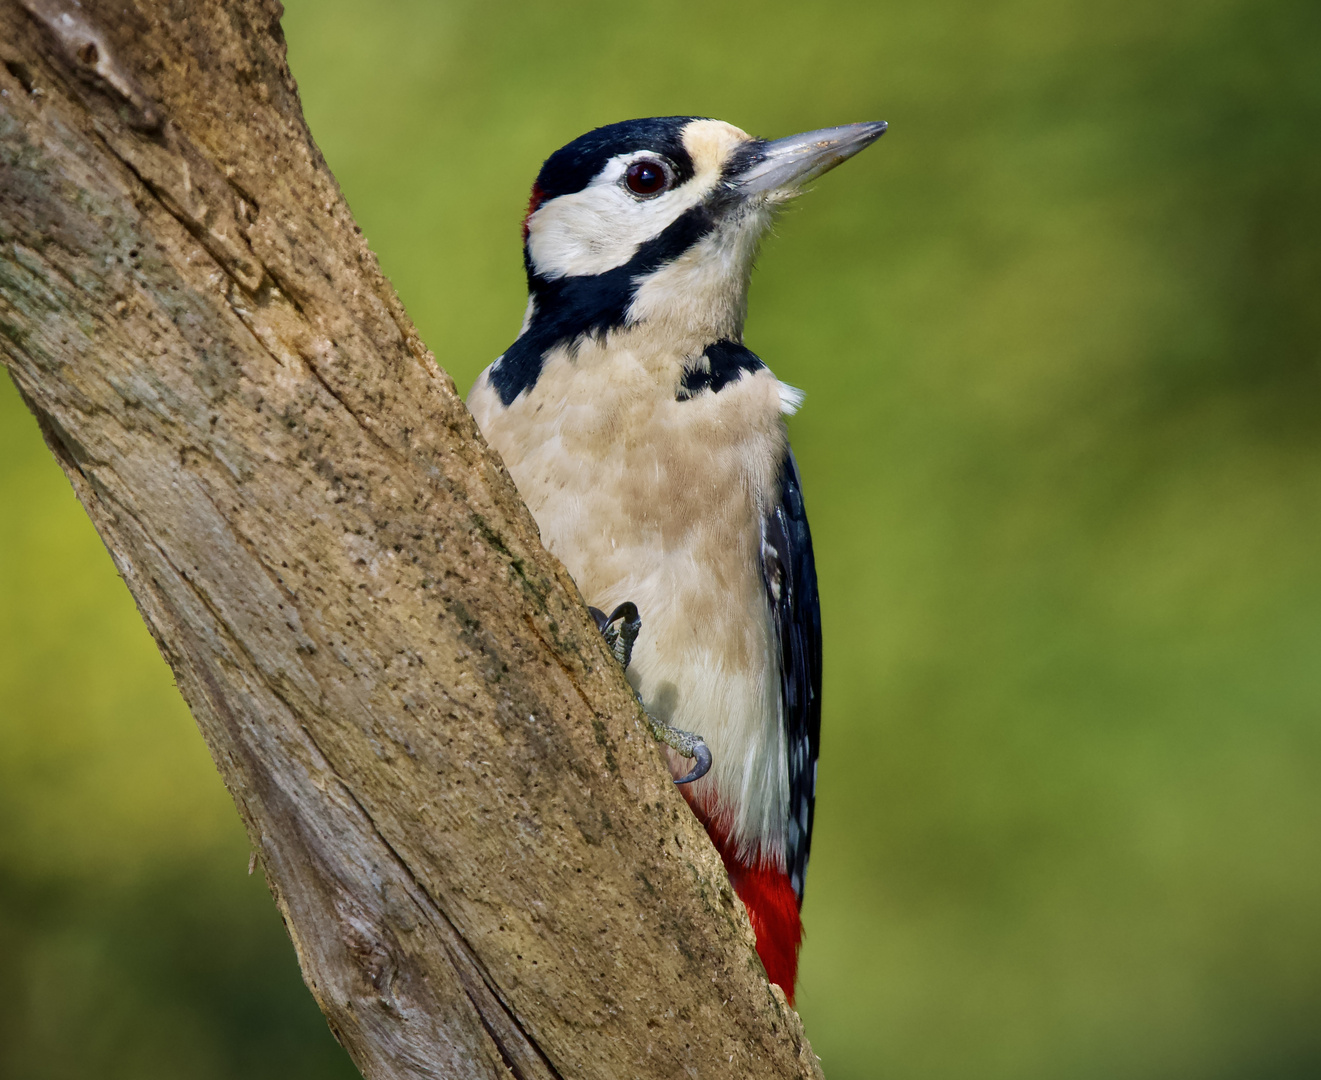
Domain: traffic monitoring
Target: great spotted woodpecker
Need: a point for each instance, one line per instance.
(649, 443)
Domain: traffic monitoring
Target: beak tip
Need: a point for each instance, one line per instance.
(786, 164)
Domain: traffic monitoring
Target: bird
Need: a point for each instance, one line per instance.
(649, 443)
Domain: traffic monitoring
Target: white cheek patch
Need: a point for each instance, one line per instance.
(602, 226)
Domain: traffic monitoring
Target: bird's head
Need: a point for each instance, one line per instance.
(657, 222)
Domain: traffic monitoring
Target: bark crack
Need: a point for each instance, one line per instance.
(467, 966)
(250, 283)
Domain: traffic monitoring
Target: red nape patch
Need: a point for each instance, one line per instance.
(771, 902)
(532, 205)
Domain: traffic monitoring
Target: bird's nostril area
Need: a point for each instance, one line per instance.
(89, 54)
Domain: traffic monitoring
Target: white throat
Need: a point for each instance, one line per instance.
(704, 292)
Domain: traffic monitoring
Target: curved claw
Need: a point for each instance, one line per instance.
(620, 629)
(628, 611)
(701, 767)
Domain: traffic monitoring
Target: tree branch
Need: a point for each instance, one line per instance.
(475, 846)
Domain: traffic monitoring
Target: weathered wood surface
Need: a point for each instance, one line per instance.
(473, 841)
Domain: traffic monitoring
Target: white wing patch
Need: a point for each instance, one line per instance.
(791, 399)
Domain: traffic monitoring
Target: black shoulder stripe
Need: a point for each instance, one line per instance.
(789, 571)
(570, 308)
(721, 363)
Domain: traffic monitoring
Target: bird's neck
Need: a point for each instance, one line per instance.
(683, 319)
(683, 290)
(689, 283)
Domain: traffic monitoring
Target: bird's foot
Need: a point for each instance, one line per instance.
(687, 743)
(620, 629)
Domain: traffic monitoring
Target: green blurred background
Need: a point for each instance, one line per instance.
(1060, 333)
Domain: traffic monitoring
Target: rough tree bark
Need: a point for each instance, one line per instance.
(471, 837)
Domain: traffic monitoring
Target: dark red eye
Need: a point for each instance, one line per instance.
(647, 178)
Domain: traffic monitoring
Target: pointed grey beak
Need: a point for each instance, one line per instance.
(788, 164)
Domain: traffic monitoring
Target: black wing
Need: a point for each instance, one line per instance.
(790, 575)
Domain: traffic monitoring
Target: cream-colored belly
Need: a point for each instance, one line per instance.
(658, 501)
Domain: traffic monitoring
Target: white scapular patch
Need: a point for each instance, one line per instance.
(791, 399)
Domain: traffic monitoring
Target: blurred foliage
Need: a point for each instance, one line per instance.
(1061, 336)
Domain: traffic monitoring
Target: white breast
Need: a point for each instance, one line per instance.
(659, 501)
